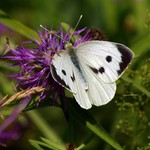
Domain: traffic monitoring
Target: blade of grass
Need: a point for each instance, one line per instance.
(18, 27)
(39, 145)
(54, 144)
(100, 132)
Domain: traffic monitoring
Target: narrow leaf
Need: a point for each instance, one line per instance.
(49, 144)
(36, 144)
(100, 132)
(18, 27)
(56, 145)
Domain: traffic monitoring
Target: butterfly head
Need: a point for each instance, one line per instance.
(68, 46)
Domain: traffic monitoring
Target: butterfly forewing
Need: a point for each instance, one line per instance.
(65, 73)
(106, 59)
(62, 71)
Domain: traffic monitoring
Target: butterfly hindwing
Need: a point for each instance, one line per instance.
(99, 92)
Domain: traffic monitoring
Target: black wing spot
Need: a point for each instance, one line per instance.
(64, 72)
(57, 77)
(126, 57)
(94, 70)
(108, 58)
(73, 78)
(101, 70)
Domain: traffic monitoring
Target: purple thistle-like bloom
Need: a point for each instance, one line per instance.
(34, 63)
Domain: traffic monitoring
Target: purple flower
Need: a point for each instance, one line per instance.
(34, 63)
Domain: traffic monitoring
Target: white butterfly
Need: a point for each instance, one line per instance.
(90, 70)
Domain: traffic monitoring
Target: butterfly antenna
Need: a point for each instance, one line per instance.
(52, 32)
(76, 26)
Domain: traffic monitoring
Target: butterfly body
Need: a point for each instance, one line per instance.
(75, 61)
(90, 70)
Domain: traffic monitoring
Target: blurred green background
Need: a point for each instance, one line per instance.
(126, 117)
(119, 18)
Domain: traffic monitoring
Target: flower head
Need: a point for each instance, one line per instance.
(34, 63)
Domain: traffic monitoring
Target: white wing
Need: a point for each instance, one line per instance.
(106, 59)
(65, 73)
(99, 92)
(92, 78)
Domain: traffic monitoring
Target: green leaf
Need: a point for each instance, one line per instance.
(18, 27)
(100, 132)
(46, 143)
(36, 144)
(56, 145)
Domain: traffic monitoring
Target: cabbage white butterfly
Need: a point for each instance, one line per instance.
(90, 70)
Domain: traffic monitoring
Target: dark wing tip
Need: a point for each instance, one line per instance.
(126, 57)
